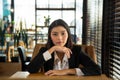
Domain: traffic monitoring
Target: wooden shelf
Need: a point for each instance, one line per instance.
(55, 8)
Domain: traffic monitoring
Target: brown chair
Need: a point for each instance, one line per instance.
(90, 50)
(87, 49)
(36, 49)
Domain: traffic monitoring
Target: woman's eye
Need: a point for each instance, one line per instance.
(54, 34)
(63, 33)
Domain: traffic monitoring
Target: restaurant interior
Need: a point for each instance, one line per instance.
(94, 25)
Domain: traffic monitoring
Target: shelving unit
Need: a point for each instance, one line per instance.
(53, 9)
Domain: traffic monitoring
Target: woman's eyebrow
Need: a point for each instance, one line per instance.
(54, 32)
(57, 32)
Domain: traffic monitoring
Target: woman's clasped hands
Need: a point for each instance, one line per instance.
(61, 49)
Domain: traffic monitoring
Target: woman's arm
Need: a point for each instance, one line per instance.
(61, 72)
(37, 62)
(89, 66)
(81, 58)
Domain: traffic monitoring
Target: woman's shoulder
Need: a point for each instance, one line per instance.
(43, 48)
(76, 46)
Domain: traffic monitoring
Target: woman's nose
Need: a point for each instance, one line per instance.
(59, 37)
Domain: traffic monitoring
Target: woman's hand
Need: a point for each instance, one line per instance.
(62, 49)
(60, 72)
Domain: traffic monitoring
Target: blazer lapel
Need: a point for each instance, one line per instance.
(71, 62)
(51, 62)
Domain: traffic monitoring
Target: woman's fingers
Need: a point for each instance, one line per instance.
(65, 50)
(49, 72)
(68, 52)
(55, 72)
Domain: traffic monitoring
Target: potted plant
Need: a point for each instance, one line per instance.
(47, 20)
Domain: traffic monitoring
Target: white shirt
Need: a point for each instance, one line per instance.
(58, 65)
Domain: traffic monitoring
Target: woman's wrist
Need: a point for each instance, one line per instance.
(71, 71)
(51, 50)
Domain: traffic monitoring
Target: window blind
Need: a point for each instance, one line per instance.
(111, 39)
(107, 45)
(93, 26)
(115, 43)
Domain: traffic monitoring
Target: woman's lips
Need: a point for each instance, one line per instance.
(59, 42)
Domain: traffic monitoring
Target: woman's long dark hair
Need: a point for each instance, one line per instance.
(59, 22)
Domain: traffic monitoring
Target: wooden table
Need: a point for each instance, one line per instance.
(9, 68)
(40, 76)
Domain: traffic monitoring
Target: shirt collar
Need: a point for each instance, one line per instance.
(60, 65)
(65, 59)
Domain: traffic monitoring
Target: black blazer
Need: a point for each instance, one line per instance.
(77, 57)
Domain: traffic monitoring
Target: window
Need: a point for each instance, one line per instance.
(31, 13)
(60, 10)
(25, 12)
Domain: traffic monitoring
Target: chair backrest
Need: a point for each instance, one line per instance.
(36, 49)
(89, 49)
(22, 55)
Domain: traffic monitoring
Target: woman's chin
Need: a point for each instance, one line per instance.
(59, 45)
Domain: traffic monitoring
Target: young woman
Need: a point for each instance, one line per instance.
(60, 56)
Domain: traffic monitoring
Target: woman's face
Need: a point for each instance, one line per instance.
(59, 36)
